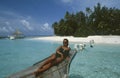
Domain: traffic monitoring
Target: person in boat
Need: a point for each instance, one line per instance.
(61, 54)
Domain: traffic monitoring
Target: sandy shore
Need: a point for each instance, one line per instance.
(97, 39)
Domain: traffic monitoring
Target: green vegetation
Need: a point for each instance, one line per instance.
(2, 37)
(99, 21)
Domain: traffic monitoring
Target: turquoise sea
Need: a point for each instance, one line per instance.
(101, 61)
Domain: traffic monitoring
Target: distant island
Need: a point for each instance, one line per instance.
(98, 21)
(16, 35)
(1, 37)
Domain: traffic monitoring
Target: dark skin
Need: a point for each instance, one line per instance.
(53, 59)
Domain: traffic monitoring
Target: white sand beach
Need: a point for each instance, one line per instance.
(97, 39)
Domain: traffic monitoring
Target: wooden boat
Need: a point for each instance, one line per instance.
(59, 71)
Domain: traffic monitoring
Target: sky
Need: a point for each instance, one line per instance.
(35, 17)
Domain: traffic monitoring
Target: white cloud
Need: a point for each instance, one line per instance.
(11, 29)
(28, 17)
(4, 29)
(7, 23)
(10, 21)
(26, 24)
(46, 27)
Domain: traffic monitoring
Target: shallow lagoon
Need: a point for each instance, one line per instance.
(101, 61)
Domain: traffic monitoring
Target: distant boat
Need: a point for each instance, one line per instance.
(11, 37)
(59, 71)
(16, 35)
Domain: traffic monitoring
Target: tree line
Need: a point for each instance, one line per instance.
(100, 20)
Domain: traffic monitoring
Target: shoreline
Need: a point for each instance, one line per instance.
(97, 39)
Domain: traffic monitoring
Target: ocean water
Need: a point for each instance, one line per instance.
(101, 61)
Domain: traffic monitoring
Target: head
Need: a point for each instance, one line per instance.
(65, 42)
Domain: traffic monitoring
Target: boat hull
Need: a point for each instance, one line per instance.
(59, 71)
